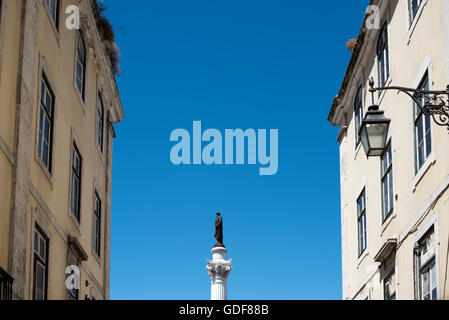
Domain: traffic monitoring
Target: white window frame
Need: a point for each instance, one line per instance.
(362, 235)
(388, 179)
(429, 264)
(359, 113)
(45, 115)
(411, 22)
(417, 175)
(386, 54)
(388, 277)
(424, 121)
(428, 223)
(55, 14)
(42, 261)
(77, 213)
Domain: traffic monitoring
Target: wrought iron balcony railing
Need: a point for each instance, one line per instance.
(5, 285)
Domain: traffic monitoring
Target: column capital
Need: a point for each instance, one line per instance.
(218, 269)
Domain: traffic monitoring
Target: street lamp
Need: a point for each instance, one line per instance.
(374, 129)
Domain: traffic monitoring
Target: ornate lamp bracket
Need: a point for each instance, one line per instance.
(430, 102)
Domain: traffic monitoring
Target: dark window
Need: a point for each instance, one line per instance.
(413, 7)
(100, 122)
(45, 130)
(75, 185)
(80, 65)
(97, 225)
(361, 222)
(358, 111)
(383, 57)
(423, 132)
(387, 182)
(53, 9)
(6, 282)
(40, 266)
(390, 286)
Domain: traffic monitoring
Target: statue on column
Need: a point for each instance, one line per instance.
(219, 231)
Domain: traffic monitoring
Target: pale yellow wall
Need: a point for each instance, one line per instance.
(9, 37)
(406, 58)
(73, 119)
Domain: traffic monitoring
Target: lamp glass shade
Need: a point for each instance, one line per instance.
(374, 133)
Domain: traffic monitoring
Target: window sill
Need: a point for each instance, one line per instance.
(81, 100)
(100, 153)
(75, 221)
(425, 167)
(97, 258)
(387, 222)
(357, 149)
(362, 258)
(45, 170)
(382, 94)
(52, 22)
(412, 26)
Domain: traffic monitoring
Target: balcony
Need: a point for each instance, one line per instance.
(5, 285)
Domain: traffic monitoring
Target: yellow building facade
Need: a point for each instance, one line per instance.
(395, 208)
(58, 103)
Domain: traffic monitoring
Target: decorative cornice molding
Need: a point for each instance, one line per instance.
(104, 67)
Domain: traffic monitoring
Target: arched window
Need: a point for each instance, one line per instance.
(358, 113)
(80, 64)
(383, 56)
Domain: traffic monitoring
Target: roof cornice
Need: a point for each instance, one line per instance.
(351, 67)
(104, 68)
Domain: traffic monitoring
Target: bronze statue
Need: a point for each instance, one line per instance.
(219, 231)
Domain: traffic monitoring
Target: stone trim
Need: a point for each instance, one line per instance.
(107, 209)
(92, 277)
(21, 174)
(430, 203)
(48, 212)
(359, 289)
(8, 153)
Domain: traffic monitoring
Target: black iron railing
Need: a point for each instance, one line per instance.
(5, 285)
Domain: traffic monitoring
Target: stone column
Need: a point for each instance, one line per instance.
(219, 269)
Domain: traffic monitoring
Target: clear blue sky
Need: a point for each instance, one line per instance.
(271, 64)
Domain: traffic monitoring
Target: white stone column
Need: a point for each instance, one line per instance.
(218, 269)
